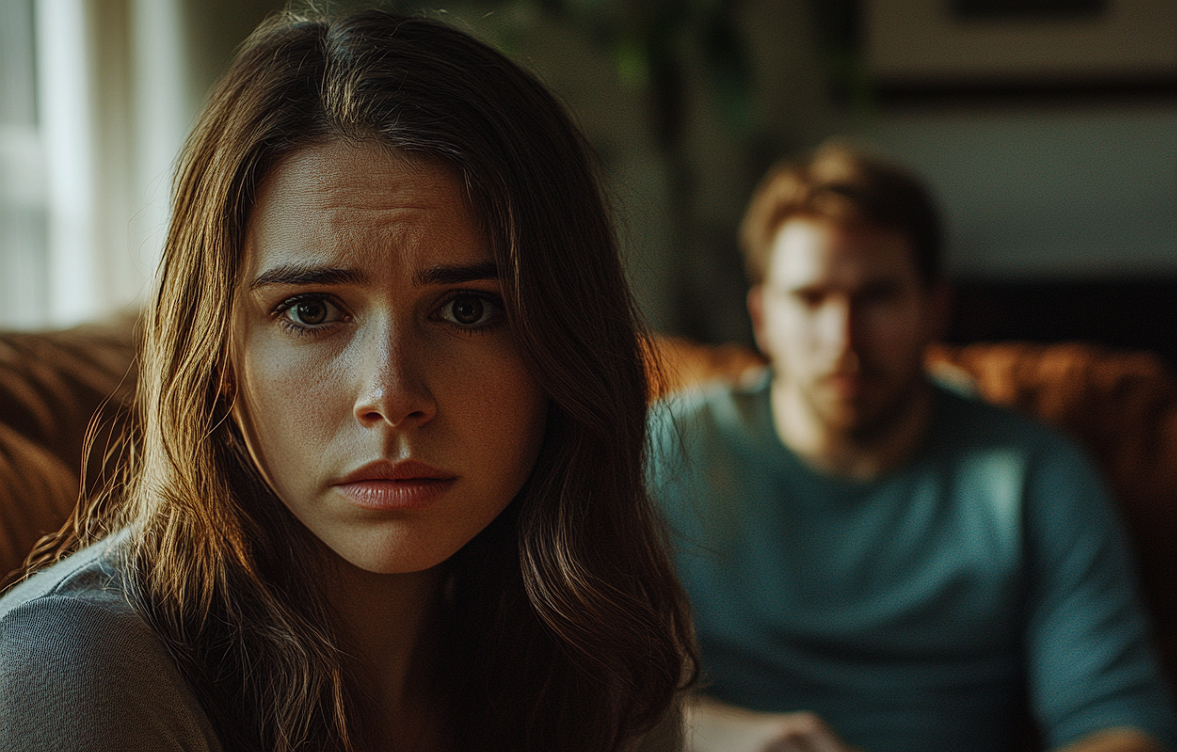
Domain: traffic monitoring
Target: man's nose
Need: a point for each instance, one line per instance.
(393, 379)
(839, 325)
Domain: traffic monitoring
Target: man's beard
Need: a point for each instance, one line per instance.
(862, 421)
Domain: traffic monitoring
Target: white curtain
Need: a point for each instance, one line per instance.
(23, 284)
(86, 180)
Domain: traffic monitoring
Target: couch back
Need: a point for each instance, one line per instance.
(1122, 406)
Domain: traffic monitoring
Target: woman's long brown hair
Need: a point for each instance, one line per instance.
(569, 630)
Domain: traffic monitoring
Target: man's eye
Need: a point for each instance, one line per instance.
(809, 298)
(880, 294)
(470, 311)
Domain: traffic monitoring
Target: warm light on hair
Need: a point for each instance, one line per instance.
(849, 187)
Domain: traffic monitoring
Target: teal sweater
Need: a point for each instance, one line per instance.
(922, 611)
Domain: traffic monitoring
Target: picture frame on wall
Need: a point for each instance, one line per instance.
(935, 47)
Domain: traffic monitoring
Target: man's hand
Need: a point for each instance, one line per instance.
(712, 726)
(1114, 740)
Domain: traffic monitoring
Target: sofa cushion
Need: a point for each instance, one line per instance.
(52, 384)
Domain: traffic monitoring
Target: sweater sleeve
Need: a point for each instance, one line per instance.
(77, 674)
(1090, 659)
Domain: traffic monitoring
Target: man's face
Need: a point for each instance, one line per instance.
(845, 318)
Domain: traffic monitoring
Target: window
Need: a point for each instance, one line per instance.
(93, 111)
(23, 200)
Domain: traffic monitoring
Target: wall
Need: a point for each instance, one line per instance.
(1047, 188)
(1057, 191)
(1058, 187)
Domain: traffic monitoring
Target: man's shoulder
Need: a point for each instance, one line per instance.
(716, 407)
(1002, 454)
(970, 422)
(712, 441)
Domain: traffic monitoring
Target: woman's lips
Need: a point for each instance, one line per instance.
(384, 485)
(386, 494)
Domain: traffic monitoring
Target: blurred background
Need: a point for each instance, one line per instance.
(1047, 128)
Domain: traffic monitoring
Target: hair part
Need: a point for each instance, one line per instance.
(849, 187)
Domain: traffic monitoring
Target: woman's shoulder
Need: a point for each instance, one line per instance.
(94, 574)
(81, 669)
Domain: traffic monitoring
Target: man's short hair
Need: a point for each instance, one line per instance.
(842, 184)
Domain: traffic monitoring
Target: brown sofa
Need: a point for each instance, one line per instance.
(51, 385)
(1121, 405)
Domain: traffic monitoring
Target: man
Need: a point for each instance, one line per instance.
(874, 561)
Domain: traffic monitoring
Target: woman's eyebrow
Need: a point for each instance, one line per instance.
(453, 275)
(308, 275)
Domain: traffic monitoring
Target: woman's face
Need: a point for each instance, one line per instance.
(381, 391)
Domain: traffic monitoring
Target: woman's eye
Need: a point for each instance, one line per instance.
(309, 312)
(470, 311)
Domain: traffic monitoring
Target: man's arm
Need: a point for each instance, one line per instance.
(1114, 740)
(1094, 678)
(714, 726)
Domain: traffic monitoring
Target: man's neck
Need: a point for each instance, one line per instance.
(844, 453)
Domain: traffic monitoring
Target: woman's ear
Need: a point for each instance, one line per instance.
(226, 385)
(225, 376)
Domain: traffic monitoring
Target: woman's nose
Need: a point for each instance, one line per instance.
(394, 384)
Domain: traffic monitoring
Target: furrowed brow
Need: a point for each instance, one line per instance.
(454, 275)
(308, 275)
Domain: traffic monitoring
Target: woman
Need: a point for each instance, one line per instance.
(388, 488)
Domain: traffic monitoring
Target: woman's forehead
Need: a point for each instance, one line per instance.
(362, 172)
(340, 200)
